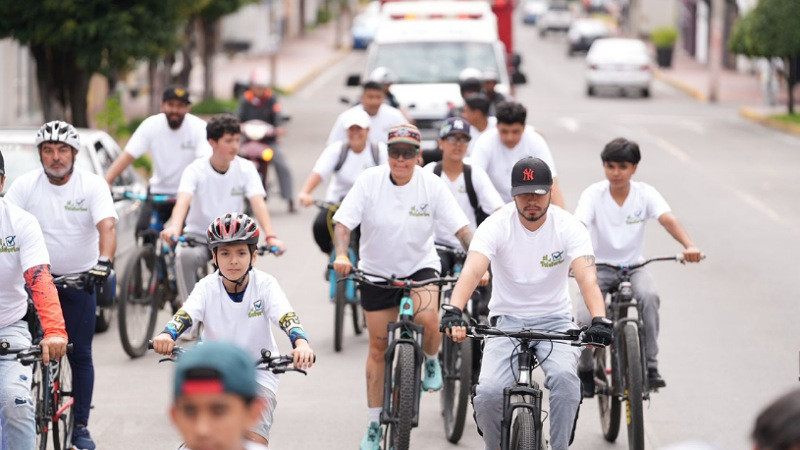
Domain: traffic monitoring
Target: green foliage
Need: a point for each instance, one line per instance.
(134, 123)
(112, 119)
(772, 29)
(214, 106)
(144, 163)
(788, 118)
(215, 9)
(664, 37)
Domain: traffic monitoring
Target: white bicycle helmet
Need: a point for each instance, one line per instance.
(470, 73)
(382, 75)
(58, 131)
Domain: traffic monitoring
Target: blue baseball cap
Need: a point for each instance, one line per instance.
(216, 367)
(454, 125)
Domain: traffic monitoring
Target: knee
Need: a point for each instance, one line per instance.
(488, 395)
(17, 404)
(564, 384)
(377, 350)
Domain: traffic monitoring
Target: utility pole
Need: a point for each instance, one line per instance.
(715, 48)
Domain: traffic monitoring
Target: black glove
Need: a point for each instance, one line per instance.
(599, 332)
(99, 273)
(453, 317)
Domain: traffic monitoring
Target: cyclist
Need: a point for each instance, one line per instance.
(237, 303)
(470, 186)
(397, 206)
(24, 265)
(615, 211)
(476, 112)
(490, 79)
(209, 187)
(215, 398)
(78, 219)
(531, 245)
(341, 162)
(382, 116)
(776, 427)
(496, 151)
(260, 103)
(174, 139)
(385, 78)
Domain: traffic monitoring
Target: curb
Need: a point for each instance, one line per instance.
(754, 115)
(697, 94)
(315, 71)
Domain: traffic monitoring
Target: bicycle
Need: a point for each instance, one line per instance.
(275, 364)
(619, 370)
(344, 293)
(404, 358)
(51, 388)
(522, 420)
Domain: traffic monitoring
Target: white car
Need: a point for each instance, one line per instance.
(532, 10)
(558, 17)
(583, 33)
(365, 25)
(618, 63)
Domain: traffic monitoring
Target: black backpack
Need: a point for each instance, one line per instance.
(343, 155)
(480, 215)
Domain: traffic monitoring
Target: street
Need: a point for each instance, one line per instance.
(729, 340)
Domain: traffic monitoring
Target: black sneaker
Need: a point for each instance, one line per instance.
(587, 383)
(656, 382)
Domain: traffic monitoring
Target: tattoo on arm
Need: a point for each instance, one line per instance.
(464, 236)
(589, 260)
(341, 239)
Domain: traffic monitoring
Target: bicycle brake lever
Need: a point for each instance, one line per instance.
(166, 360)
(301, 371)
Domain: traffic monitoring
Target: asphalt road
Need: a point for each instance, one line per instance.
(729, 341)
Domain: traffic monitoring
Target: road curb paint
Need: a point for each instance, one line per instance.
(756, 116)
(315, 71)
(697, 94)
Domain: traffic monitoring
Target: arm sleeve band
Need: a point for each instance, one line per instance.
(290, 324)
(45, 298)
(180, 322)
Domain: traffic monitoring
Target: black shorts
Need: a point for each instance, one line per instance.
(375, 298)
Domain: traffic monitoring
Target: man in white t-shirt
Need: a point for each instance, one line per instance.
(210, 187)
(476, 112)
(615, 211)
(174, 139)
(397, 206)
(497, 150)
(381, 116)
(341, 163)
(78, 219)
(24, 264)
(531, 245)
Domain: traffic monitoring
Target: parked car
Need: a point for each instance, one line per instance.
(558, 17)
(618, 63)
(583, 33)
(365, 25)
(532, 10)
(98, 151)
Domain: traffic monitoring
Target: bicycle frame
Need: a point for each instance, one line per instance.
(527, 391)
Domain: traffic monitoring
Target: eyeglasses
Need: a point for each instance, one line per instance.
(404, 152)
(456, 139)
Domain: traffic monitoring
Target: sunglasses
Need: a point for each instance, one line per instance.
(404, 152)
(457, 139)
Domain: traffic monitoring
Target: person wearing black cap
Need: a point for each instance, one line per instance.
(531, 245)
(174, 138)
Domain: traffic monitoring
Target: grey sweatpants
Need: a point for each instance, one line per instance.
(644, 291)
(188, 260)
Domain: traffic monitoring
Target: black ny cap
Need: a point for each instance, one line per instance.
(531, 176)
(176, 93)
(454, 125)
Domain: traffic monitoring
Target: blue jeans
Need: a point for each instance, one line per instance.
(16, 403)
(78, 307)
(561, 378)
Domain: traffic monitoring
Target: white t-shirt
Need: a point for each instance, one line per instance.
(215, 194)
(68, 215)
(474, 133)
(380, 123)
(171, 150)
(488, 199)
(354, 164)
(397, 222)
(530, 269)
(498, 160)
(21, 247)
(247, 323)
(618, 231)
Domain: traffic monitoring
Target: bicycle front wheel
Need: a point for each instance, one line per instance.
(523, 432)
(138, 302)
(457, 373)
(63, 402)
(340, 300)
(633, 388)
(403, 392)
(41, 396)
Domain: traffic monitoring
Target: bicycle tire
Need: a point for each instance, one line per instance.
(403, 393)
(139, 289)
(359, 321)
(457, 374)
(634, 409)
(40, 393)
(608, 403)
(523, 432)
(62, 428)
(340, 301)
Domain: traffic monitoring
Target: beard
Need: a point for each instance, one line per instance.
(533, 217)
(175, 121)
(61, 172)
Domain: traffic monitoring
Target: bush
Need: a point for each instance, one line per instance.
(664, 37)
(214, 106)
(112, 119)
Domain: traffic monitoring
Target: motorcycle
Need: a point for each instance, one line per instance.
(257, 137)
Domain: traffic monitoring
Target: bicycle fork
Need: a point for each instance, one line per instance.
(525, 395)
(409, 333)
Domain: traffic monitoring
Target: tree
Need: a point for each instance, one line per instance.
(772, 30)
(71, 40)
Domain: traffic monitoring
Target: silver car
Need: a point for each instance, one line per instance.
(98, 151)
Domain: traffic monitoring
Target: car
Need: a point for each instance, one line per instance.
(558, 17)
(365, 25)
(583, 32)
(532, 10)
(619, 63)
(98, 151)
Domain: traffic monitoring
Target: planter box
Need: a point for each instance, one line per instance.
(664, 57)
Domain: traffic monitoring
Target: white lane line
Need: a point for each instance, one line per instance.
(673, 150)
(569, 123)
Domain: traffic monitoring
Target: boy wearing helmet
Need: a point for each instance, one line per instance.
(237, 303)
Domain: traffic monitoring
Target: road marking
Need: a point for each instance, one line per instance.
(673, 150)
(569, 123)
(320, 81)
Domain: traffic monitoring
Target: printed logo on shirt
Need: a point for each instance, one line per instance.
(257, 309)
(77, 205)
(9, 244)
(188, 145)
(237, 191)
(636, 217)
(419, 211)
(462, 189)
(552, 259)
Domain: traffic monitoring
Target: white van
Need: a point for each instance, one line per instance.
(426, 44)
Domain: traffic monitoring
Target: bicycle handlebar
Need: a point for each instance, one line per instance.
(276, 364)
(326, 205)
(481, 331)
(268, 249)
(152, 198)
(71, 281)
(457, 252)
(394, 282)
(678, 258)
(25, 355)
